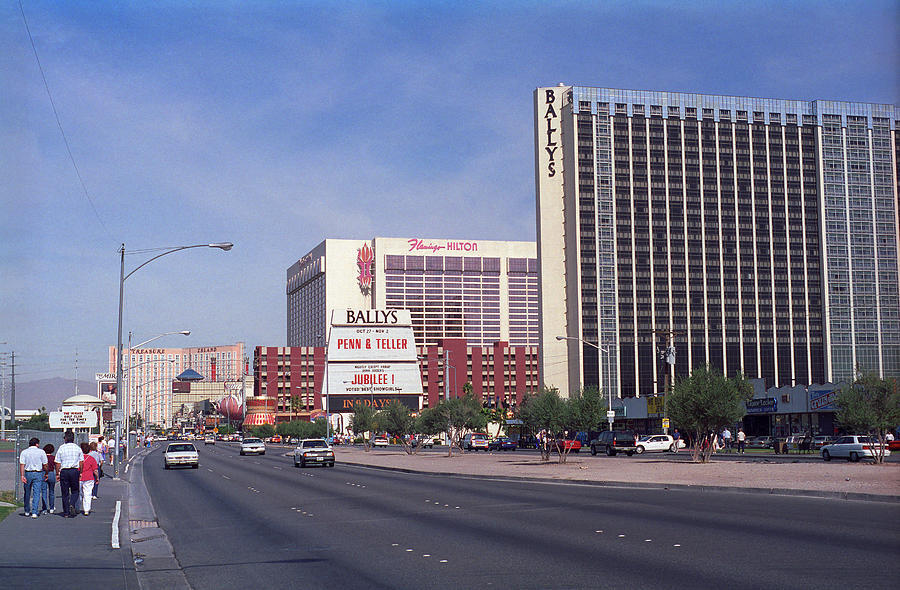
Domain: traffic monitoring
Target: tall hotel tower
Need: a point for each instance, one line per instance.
(755, 235)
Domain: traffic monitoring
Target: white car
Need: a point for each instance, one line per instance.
(253, 446)
(852, 447)
(313, 451)
(380, 441)
(655, 443)
(181, 453)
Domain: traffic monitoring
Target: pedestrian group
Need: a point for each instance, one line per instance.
(77, 468)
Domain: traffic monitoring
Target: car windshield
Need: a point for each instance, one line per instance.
(252, 440)
(180, 448)
(314, 444)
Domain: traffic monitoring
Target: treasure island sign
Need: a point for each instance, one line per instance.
(372, 360)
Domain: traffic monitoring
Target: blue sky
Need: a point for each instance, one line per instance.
(275, 125)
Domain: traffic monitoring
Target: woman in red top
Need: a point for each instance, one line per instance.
(48, 492)
(88, 469)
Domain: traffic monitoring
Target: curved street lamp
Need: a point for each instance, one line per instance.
(610, 413)
(122, 278)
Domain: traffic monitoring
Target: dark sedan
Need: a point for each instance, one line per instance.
(502, 443)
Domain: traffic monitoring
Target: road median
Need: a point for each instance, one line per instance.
(857, 481)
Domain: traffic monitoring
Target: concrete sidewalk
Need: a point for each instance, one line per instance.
(836, 479)
(52, 551)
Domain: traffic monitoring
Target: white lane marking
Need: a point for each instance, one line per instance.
(648, 540)
(598, 531)
(409, 550)
(426, 555)
(115, 526)
(126, 467)
(676, 545)
(621, 536)
(210, 470)
(443, 561)
(226, 477)
(276, 467)
(395, 544)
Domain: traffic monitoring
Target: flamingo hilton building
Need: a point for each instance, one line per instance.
(479, 290)
(752, 234)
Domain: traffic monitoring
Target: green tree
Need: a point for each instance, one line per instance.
(39, 421)
(459, 416)
(226, 429)
(137, 421)
(705, 402)
(289, 429)
(870, 405)
(262, 431)
(548, 412)
(296, 405)
(362, 420)
(430, 422)
(587, 410)
(396, 420)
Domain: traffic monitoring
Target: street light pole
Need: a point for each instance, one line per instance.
(610, 413)
(226, 246)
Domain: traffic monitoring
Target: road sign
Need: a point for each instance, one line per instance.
(73, 419)
(118, 415)
(610, 414)
(665, 423)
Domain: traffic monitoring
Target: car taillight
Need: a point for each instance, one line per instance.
(865, 447)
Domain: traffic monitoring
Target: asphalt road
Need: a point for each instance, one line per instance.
(239, 522)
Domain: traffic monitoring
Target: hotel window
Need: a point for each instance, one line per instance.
(674, 111)
(621, 109)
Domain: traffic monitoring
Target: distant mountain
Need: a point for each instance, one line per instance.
(47, 393)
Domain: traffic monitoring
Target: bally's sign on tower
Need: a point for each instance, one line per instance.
(372, 359)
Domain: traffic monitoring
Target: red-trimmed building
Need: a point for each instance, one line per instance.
(499, 373)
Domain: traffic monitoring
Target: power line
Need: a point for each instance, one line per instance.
(59, 124)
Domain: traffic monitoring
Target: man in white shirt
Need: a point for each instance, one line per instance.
(742, 438)
(70, 459)
(32, 462)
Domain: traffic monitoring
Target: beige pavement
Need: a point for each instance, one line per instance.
(834, 478)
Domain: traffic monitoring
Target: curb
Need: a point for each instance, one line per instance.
(854, 496)
(154, 558)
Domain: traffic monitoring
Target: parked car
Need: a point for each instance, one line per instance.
(180, 454)
(565, 445)
(853, 448)
(380, 440)
(426, 442)
(209, 440)
(760, 442)
(614, 441)
(655, 443)
(313, 451)
(475, 441)
(502, 443)
(253, 446)
(820, 441)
